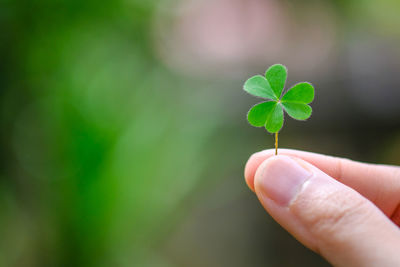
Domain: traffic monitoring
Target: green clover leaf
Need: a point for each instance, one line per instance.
(270, 113)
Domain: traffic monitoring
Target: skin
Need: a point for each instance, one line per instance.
(347, 211)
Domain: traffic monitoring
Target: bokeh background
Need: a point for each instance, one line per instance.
(123, 123)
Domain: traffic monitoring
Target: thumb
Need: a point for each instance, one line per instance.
(325, 215)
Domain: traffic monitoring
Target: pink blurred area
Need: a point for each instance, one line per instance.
(223, 37)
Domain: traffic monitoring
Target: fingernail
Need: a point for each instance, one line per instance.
(280, 179)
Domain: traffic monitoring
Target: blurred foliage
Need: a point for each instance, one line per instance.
(100, 145)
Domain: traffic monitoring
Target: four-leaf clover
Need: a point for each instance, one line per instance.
(270, 113)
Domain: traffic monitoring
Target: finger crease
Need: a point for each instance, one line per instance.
(339, 171)
(396, 215)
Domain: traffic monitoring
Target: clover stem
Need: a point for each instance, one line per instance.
(276, 143)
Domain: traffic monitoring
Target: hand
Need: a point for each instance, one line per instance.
(349, 212)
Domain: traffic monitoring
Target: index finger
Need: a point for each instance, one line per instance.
(378, 183)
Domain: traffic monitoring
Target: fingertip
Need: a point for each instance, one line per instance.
(249, 174)
(252, 165)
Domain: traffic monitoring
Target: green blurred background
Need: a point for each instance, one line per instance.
(123, 128)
